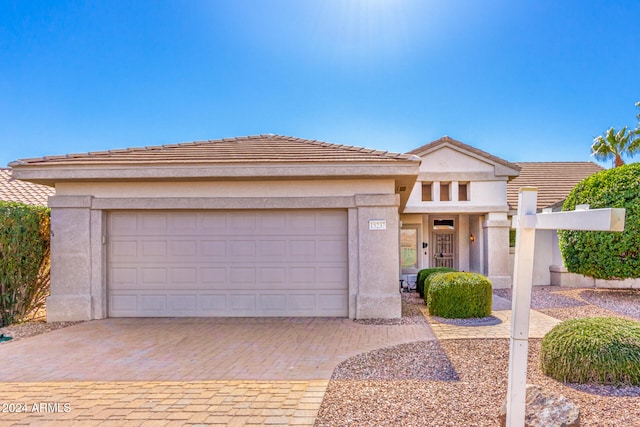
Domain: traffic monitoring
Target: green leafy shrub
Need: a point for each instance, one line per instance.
(424, 274)
(600, 254)
(602, 350)
(459, 295)
(24, 261)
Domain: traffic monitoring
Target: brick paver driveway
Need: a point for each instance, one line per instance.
(184, 371)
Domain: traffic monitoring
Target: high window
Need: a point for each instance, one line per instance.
(463, 191)
(445, 196)
(426, 192)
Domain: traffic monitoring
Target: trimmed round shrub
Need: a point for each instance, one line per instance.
(599, 254)
(424, 274)
(459, 295)
(601, 350)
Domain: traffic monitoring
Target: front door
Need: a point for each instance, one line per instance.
(443, 250)
(443, 241)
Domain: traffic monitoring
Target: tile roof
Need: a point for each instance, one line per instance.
(246, 150)
(554, 180)
(13, 190)
(447, 139)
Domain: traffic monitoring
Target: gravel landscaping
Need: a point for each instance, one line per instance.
(464, 382)
(28, 329)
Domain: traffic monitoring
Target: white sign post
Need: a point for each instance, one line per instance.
(527, 222)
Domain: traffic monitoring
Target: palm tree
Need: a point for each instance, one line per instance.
(615, 145)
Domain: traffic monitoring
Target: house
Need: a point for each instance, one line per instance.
(266, 225)
(13, 190)
(257, 226)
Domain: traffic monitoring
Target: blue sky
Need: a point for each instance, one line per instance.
(524, 80)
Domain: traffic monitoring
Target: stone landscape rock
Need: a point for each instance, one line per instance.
(545, 409)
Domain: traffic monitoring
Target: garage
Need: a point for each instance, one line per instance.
(227, 263)
(255, 226)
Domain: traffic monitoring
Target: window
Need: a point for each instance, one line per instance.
(443, 224)
(463, 191)
(444, 191)
(426, 192)
(409, 248)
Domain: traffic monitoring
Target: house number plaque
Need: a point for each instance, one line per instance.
(377, 224)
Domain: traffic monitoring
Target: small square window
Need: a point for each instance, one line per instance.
(463, 191)
(426, 192)
(444, 192)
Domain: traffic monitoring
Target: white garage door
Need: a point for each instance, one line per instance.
(227, 263)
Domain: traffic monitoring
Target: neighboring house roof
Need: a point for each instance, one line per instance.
(13, 190)
(248, 149)
(512, 168)
(554, 180)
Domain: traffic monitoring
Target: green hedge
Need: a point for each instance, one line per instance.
(601, 350)
(599, 254)
(424, 274)
(24, 261)
(459, 295)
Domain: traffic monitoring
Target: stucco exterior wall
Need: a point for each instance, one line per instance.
(198, 189)
(71, 261)
(496, 245)
(485, 196)
(379, 259)
(79, 263)
(447, 159)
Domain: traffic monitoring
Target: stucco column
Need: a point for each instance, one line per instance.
(496, 245)
(378, 293)
(70, 297)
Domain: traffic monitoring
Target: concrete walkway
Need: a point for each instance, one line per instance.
(539, 324)
(164, 372)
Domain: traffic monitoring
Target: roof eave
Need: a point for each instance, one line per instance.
(50, 174)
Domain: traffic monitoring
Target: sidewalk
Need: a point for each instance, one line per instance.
(539, 324)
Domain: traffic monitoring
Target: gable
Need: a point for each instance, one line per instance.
(447, 158)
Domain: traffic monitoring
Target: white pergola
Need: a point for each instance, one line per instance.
(526, 224)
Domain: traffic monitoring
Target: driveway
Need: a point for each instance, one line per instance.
(165, 371)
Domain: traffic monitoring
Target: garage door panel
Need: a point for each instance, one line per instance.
(153, 225)
(213, 248)
(331, 223)
(234, 263)
(123, 277)
(212, 305)
(183, 222)
(271, 249)
(209, 275)
(154, 276)
(272, 276)
(242, 223)
(241, 304)
(183, 248)
(183, 303)
(153, 304)
(273, 223)
(213, 222)
(242, 249)
(183, 275)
